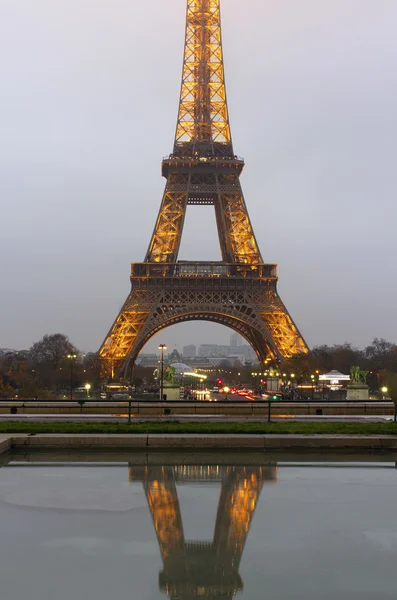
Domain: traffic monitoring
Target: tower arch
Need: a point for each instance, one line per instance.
(245, 329)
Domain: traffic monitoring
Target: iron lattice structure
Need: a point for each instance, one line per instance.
(241, 290)
(208, 569)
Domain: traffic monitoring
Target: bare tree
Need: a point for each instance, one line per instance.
(51, 351)
(382, 355)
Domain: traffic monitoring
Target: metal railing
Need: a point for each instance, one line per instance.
(202, 269)
(148, 407)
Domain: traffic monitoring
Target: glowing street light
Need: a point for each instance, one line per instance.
(72, 358)
(88, 387)
(202, 377)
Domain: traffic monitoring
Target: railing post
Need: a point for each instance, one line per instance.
(269, 416)
(129, 410)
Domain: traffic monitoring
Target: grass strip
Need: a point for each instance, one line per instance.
(204, 428)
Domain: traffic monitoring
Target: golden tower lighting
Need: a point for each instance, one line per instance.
(240, 291)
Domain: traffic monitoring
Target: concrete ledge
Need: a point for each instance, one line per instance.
(212, 441)
(80, 441)
(330, 442)
(388, 442)
(5, 443)
(199, 442)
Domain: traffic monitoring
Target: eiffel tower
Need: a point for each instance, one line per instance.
(200, 568)
(241, 290)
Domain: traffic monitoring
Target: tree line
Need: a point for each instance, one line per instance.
(379, 359)
(45, 368)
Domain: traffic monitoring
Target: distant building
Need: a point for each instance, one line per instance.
(213, 350)
(247, 352)
(189, 351)
(147, 360)
(200, 362)
(236, 340)
(181, 369)
(4, 351)
(226, 361)
(236, 359)
(174, 356)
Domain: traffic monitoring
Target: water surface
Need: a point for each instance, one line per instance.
(200, 526)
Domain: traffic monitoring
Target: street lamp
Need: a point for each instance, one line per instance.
(88, 387)
(293, 387)
(226, 390)
(162, 347)
(202, 389)
(72, 358)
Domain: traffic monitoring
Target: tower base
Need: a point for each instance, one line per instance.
(241, 297)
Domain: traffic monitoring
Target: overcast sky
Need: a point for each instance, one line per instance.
(88, 108)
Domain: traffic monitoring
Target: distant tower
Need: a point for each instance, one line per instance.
(235, 340)
(241, 290)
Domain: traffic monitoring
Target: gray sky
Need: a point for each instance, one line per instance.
(88, 108)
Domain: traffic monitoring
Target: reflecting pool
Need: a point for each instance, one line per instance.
(197, 526)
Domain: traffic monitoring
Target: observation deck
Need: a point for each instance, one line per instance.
(201, 164)
(205, 270)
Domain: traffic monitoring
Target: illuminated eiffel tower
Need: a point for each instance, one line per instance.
(241, 290)
(202, 569)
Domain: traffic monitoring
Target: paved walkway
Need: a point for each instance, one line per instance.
(105, 418)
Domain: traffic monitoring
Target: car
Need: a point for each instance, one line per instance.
(121, 396)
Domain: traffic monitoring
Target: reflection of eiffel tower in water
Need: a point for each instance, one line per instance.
(202, 569)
